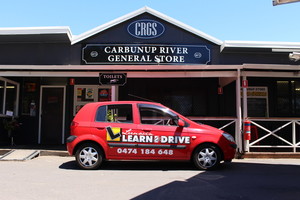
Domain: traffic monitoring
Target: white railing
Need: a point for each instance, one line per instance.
(228, 121)
(285, 131)
(225, 122)
(288, 136)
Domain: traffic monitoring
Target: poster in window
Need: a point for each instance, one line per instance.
(30, 87)
(79, 94)
(78, 107)
(104, 95)
(89, 93)
(257, 99)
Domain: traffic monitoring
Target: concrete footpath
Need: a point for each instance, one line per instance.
(28, 152)
(22, 153)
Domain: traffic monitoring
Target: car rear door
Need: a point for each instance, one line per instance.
(111, 122)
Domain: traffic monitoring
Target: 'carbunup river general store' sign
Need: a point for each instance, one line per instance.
(145, 54)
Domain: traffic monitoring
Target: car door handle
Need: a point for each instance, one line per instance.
(147, 129)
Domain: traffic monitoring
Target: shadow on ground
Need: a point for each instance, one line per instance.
(238, 180)
(235, 181)
(136, 166)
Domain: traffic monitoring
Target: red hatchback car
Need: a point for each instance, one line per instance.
(138, 130)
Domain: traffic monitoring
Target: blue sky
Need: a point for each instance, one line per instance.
(246, 20)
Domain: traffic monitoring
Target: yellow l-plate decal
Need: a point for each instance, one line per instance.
(113, 134)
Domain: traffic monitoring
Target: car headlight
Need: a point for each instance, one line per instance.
(228, 137)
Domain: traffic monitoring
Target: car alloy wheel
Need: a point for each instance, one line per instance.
(89, 156)
(206, 157)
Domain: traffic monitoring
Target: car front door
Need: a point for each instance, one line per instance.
(166, 139)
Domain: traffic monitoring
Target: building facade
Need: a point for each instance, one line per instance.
(47, 74)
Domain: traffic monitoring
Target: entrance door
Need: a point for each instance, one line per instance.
(52, 115)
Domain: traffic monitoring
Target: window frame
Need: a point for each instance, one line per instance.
(106, 107)
(156, 108)
(16, 107)
(95, 98)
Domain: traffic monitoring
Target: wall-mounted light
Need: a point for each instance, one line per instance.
(278, 2)
(72, 81)
(295, 56)
(220, 90)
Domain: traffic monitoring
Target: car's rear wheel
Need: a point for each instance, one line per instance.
(89, 156)
(206, 156)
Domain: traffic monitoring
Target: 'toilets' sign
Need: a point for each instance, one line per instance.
(113, 78)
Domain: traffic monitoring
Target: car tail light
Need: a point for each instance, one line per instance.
(73, 126)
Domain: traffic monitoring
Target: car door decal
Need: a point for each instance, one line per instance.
(116, 138)
(113, 134)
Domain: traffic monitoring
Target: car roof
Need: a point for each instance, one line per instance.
(88, 111)
(124, 102)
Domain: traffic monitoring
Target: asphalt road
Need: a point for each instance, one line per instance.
(53, 177)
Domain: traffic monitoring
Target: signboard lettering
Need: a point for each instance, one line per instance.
(112, 78)
(145, 54)
(146, 29)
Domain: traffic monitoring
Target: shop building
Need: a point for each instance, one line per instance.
(47, 74)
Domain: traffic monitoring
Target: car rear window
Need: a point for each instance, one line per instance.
(121, 113)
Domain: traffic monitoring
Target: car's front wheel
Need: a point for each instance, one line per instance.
(206, 156)
(89, 156)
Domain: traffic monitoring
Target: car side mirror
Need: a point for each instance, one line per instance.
(181, 123)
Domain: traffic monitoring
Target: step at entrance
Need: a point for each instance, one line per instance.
(20, 155)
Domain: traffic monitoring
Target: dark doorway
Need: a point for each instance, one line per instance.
(52, 115)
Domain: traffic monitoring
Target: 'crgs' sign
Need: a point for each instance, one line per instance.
(146, 29)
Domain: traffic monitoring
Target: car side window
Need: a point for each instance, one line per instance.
(115, 113)
(156, 117)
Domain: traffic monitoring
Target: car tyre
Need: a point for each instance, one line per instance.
(89, 156)
(206, 156)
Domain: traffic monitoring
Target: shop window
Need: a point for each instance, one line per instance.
(84, 94)
(115, 113)
(8, 97)
(11, 96)
(288, 98)
(257, 99)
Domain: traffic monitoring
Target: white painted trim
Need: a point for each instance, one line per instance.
(238, 126)
(261, 44)
(272, 67)
(17, 99)
(4, 98)
(16, 109)
(95, 98)
(118, 67)
(271, 74)
(114, 93)
(64, 111)
(245, 113)
(287, 50)
(37, 31)
(141, 74)
(145, 9)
